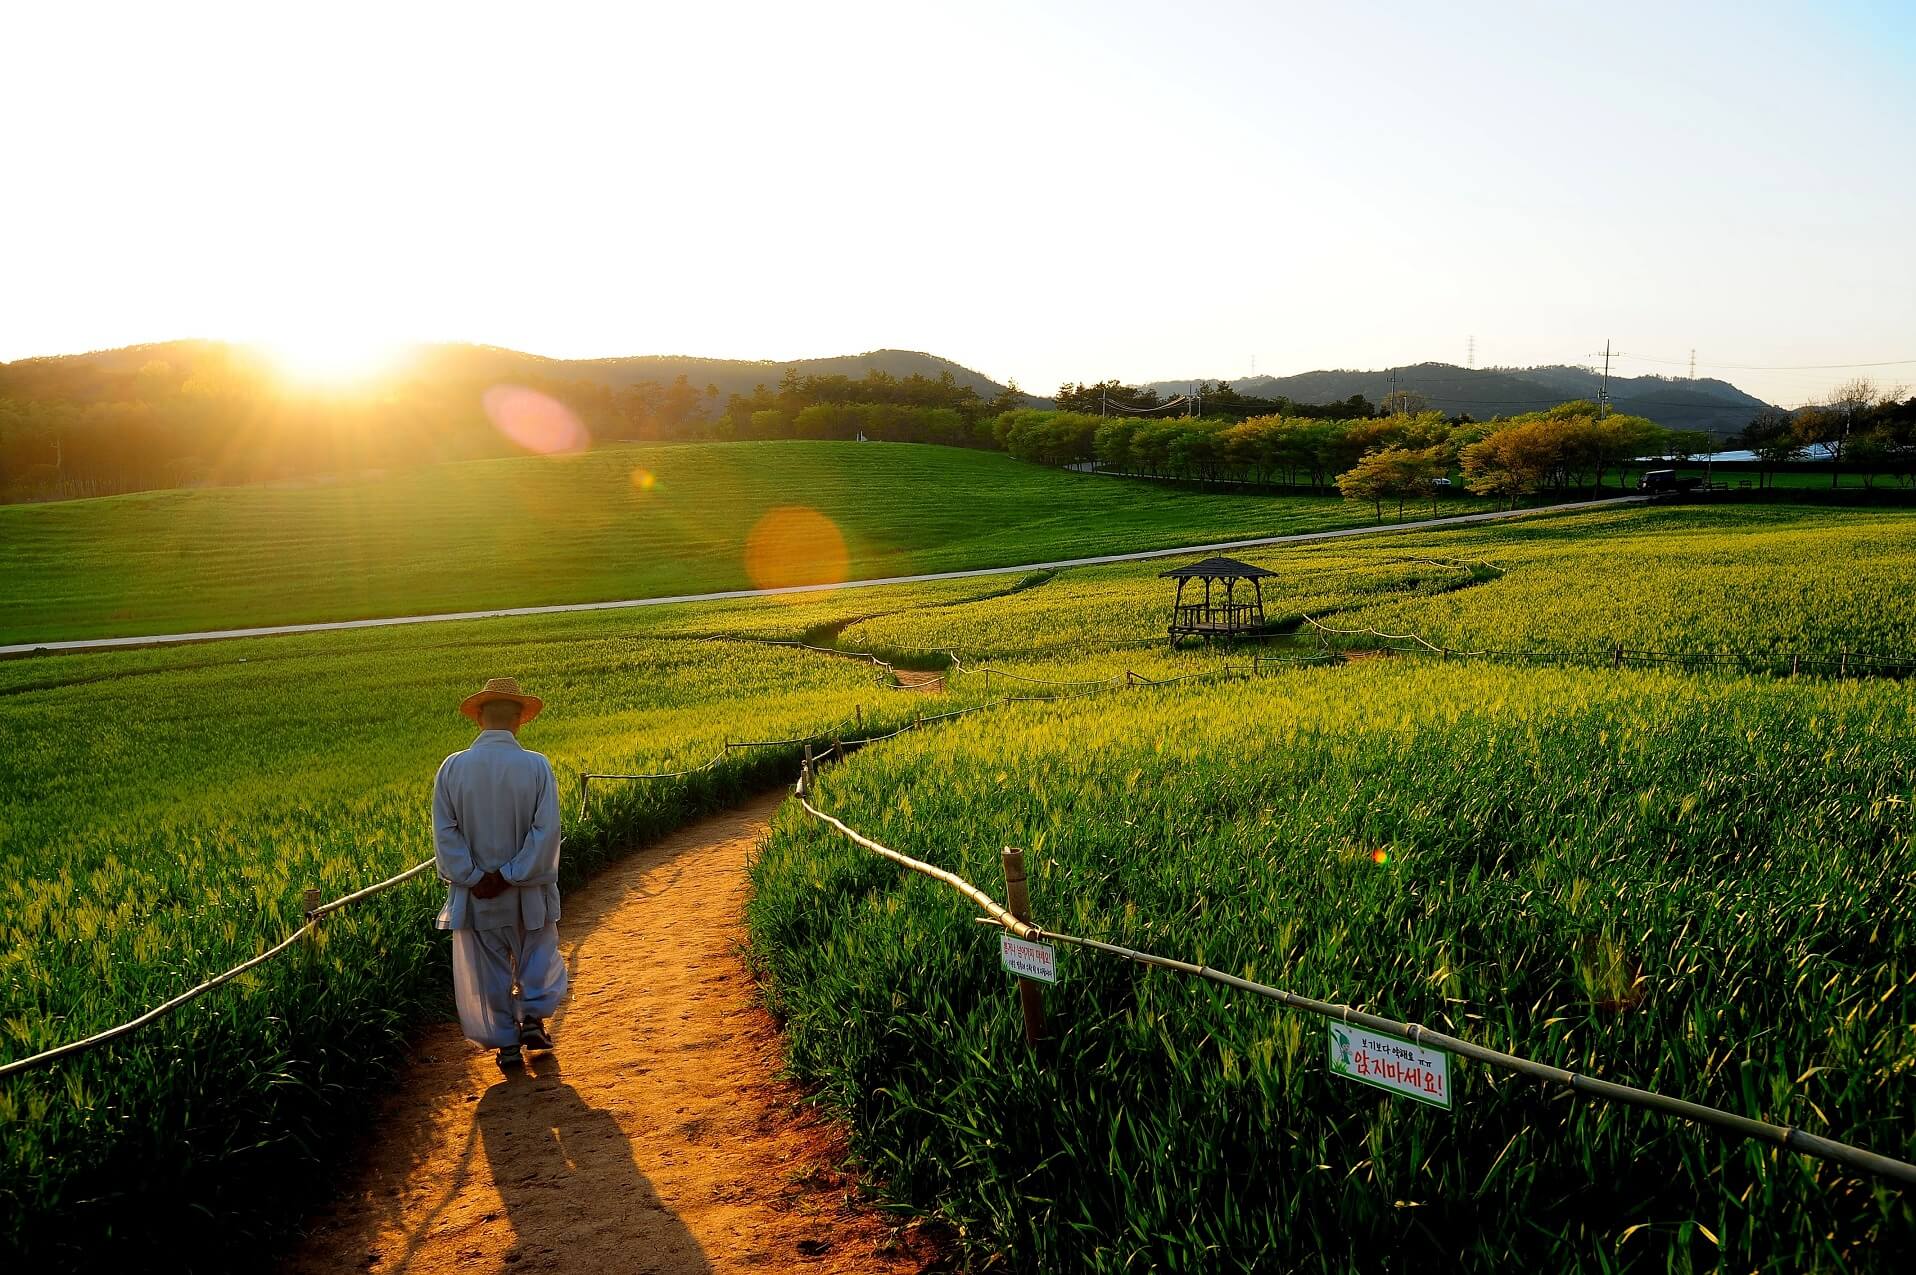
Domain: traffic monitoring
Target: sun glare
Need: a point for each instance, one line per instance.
(322, 357)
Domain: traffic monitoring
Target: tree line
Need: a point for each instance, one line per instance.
(1858, 427)
(208, 413)
(1401, 457)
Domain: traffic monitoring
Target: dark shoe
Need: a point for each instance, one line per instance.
(510, 1058)
(533, 1034)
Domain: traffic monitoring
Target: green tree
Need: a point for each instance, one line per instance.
(1093, 399)
(1393, 473)
(1771, 438)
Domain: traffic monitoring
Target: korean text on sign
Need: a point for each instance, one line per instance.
(1029, 960)
(1390, 1063)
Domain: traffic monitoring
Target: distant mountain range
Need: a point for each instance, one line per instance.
(76, 374)
(1705, 404)
(731, 376)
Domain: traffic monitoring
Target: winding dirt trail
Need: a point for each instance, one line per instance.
(655, 1138)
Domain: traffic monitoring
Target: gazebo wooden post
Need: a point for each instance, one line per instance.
(1215, 616)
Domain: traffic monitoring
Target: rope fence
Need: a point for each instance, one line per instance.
(314, 912)
(998, 915)
(1789, 1139)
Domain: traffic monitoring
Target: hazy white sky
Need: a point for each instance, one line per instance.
(1042, 192)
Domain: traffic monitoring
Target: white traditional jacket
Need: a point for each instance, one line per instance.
(495, 806)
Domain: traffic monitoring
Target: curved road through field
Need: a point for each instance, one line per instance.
(275, 630)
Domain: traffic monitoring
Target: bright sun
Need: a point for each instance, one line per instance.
(329, 357)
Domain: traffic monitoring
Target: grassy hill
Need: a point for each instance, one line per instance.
(640, 521)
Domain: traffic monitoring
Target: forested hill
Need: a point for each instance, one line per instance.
(108, 375)
(1675, 403)
(731, 376)
(186, 413)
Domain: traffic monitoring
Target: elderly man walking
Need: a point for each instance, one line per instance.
(495, 816)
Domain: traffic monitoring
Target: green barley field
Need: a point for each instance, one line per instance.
(640, 521)
(1697, 883)
(161, 812)
(1704, 887)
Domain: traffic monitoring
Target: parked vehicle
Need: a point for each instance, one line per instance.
(1665, 481)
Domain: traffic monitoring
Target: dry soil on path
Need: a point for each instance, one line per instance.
(655, 1138)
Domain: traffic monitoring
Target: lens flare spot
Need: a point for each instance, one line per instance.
(793, 546)
(644, 479)
(536, 422)
(1379, 856)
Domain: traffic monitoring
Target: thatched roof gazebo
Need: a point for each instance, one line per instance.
(1217, 616)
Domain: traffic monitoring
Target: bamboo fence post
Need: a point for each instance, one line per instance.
(1842, 670)
(1018, 903)
(805, 767)
(1618, 661)
(858, 717)
(585, 795)
(1795, 657)
(309, 904)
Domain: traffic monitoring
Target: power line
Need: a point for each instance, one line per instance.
(1765, 367)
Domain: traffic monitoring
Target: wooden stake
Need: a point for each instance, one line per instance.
(1793, 663)
(805, 767)
(309, 905)
(584, 782)
(858, 717)
(1018, 903)
(1842, 670)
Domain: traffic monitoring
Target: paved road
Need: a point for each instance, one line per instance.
(274, 630)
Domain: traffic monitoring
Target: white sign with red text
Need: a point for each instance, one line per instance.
(1376, 1058)
(1029, 960)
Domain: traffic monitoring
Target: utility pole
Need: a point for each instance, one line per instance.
(1603, 386)
(1104, 403)
(1396, 404)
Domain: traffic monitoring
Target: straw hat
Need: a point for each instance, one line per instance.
(499, 688)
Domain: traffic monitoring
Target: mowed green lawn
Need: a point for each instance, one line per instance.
(643, 521)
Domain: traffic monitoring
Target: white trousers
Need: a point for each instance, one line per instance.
(502, 976)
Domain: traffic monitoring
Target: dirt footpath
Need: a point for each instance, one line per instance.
(654, 1139)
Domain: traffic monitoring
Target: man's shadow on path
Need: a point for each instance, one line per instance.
(570, 1184)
